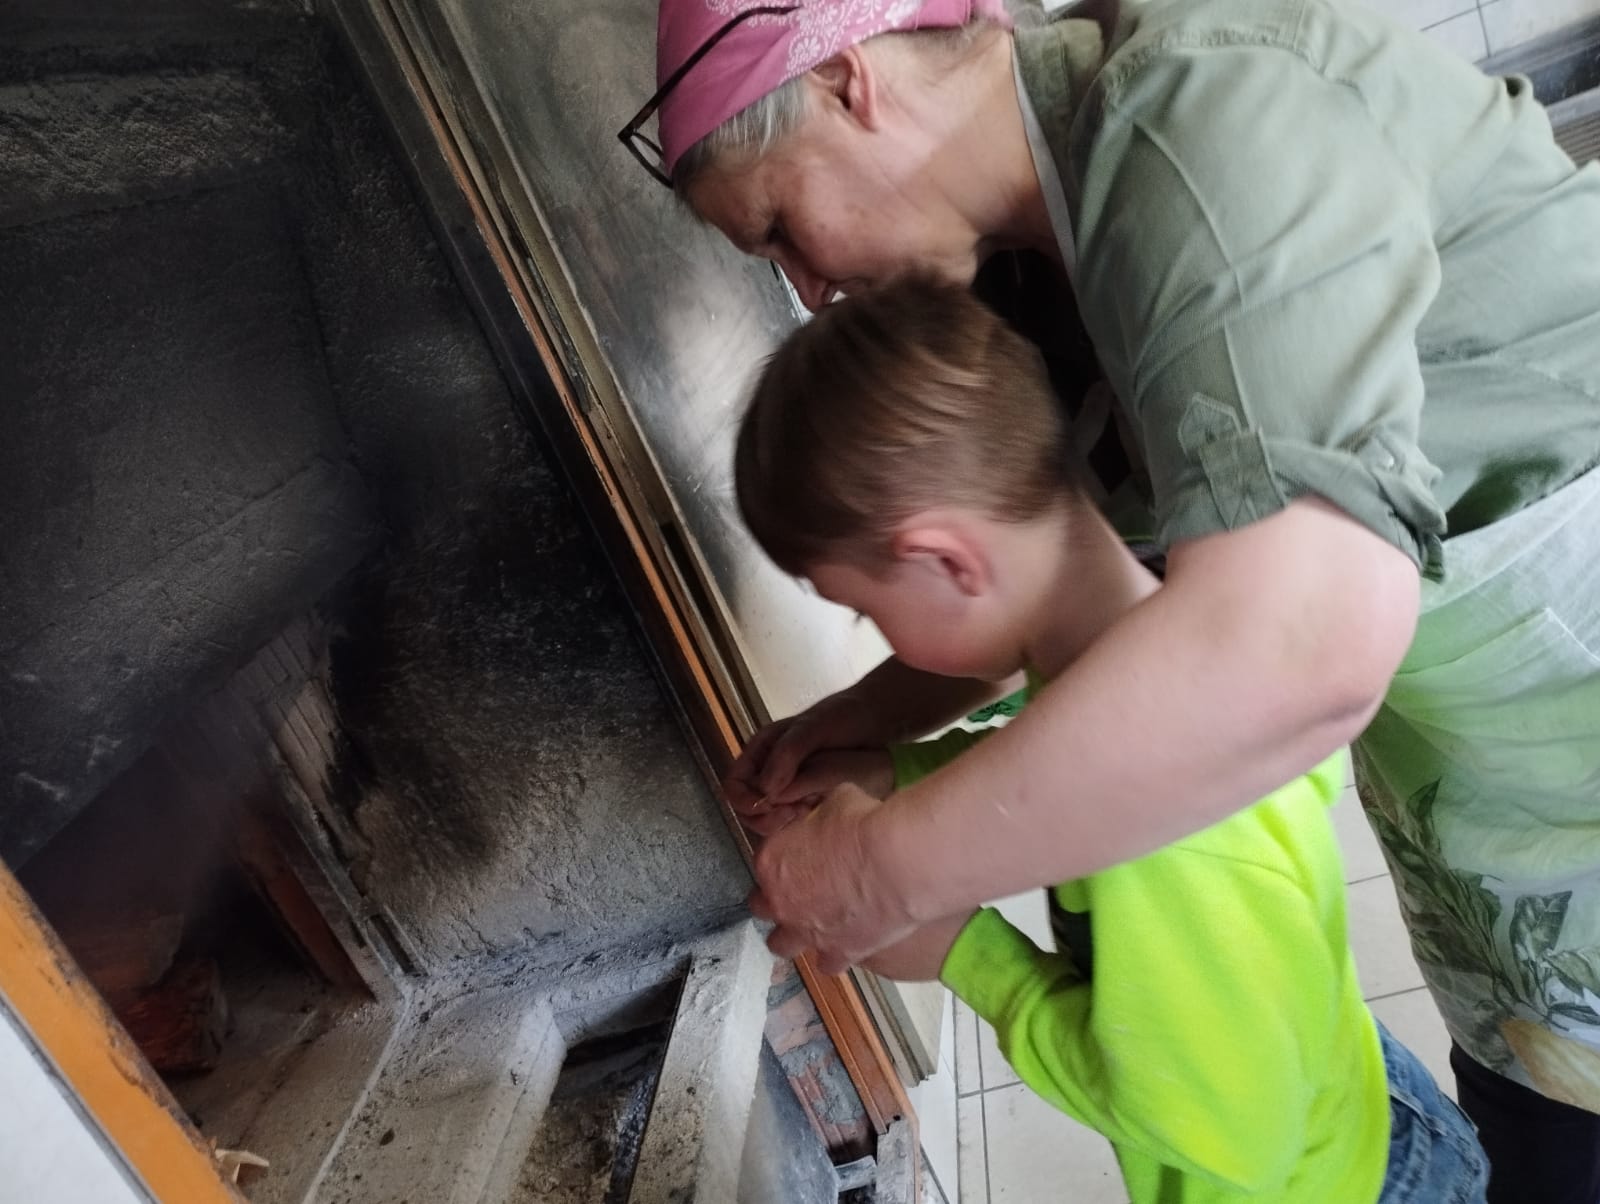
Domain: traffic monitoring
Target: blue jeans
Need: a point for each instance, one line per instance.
(1434, 1155)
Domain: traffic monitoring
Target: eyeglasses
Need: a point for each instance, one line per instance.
(646, 149)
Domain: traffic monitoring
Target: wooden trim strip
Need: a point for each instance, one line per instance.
(838, 1000)
(860, 1047)
(66, 1017)
(506, 265)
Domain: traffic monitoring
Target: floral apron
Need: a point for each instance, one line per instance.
(1481, 777)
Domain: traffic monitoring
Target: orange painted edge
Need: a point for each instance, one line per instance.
(89, 1049)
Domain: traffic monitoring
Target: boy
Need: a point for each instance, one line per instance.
(904, 454)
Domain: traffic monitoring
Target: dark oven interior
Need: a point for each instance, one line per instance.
(321, 713)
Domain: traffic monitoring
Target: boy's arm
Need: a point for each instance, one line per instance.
(920, 956)
(1255, 660)
(1191, 1043)
(877, 772)
(891, 703)
(915, 761)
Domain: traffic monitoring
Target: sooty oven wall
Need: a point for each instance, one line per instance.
(238, 384)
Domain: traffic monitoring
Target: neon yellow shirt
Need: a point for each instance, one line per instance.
(1220, 1040)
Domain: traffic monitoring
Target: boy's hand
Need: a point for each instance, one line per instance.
(919, 957)
(870, 769)
(817, 882)
(888, 705)
(763, 776)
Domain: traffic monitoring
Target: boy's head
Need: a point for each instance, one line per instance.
(905, 453)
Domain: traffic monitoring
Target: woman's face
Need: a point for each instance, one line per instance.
(840, 206)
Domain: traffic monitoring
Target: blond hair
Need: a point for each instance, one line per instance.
(909, 398)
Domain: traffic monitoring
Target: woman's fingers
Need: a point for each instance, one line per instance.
(760, 906)
(787, 944)
(832, 963)
(777, 817)
(819, 885)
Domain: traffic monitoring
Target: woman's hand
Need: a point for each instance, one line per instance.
(870, 769)
(817, 881)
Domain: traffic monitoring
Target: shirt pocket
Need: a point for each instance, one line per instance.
(1524, 704)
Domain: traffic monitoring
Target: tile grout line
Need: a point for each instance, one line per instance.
(1454, 17)
(983, 1106)
(983, 1116)
(977, 1046)
(1369, 878)
(998, 1087)
(927, 1165)
(1421, 986)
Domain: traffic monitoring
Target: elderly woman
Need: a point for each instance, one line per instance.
(1347, 290)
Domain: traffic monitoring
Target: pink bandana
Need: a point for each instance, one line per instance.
(765, 52)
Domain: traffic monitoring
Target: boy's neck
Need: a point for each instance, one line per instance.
(1097, 581)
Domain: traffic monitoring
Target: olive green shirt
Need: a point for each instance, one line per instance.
(1320, 255)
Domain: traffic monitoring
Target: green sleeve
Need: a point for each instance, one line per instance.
(1255, 261)
(1194, 1044)
(913, 762)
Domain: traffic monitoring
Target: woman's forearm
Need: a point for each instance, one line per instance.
(1268, 649)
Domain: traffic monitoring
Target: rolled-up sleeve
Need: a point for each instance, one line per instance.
(1256, 260)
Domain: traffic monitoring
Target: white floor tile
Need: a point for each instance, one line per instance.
(969, 1073)
(1419, 14)
(1462, 35)
(1512, 22)
(1378, 935)
(1029, 912)
(935, 1104)
(1363, 858)
(1415, 1022)
(996, 1070)
(971, 1156)
(1039, 1156)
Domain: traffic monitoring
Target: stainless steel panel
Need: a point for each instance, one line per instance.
(674, 320)
(662, 322)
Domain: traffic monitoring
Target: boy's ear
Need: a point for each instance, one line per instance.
(945, 550)
(850, 80)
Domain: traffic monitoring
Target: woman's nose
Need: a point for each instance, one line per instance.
(813, 290)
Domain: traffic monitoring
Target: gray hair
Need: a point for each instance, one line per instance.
(756, 129)
(751, 132)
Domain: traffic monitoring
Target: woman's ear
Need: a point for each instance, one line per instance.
(945, 550)
(850, 80)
